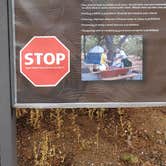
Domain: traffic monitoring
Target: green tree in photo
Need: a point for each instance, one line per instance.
(131, 44)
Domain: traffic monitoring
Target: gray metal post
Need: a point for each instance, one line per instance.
(7, 116)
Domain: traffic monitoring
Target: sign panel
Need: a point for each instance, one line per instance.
(89, 53)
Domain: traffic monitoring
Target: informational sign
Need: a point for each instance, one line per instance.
(45, 61)
(89, 53)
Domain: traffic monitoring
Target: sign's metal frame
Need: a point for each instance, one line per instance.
(91, 105)
(7, 87)
(7, 115)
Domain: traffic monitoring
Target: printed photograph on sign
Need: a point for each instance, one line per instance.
(112, 57)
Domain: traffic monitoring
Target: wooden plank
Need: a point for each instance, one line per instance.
(120, 77)
(114, 69)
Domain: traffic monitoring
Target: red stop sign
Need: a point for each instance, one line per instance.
(45, 61)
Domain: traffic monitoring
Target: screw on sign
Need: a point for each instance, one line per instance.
(45, 61)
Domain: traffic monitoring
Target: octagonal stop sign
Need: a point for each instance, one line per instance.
(45, 61)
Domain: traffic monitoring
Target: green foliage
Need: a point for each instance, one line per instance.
(131, 44)
(91, 41)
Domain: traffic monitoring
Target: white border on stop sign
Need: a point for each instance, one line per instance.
(53, 85)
